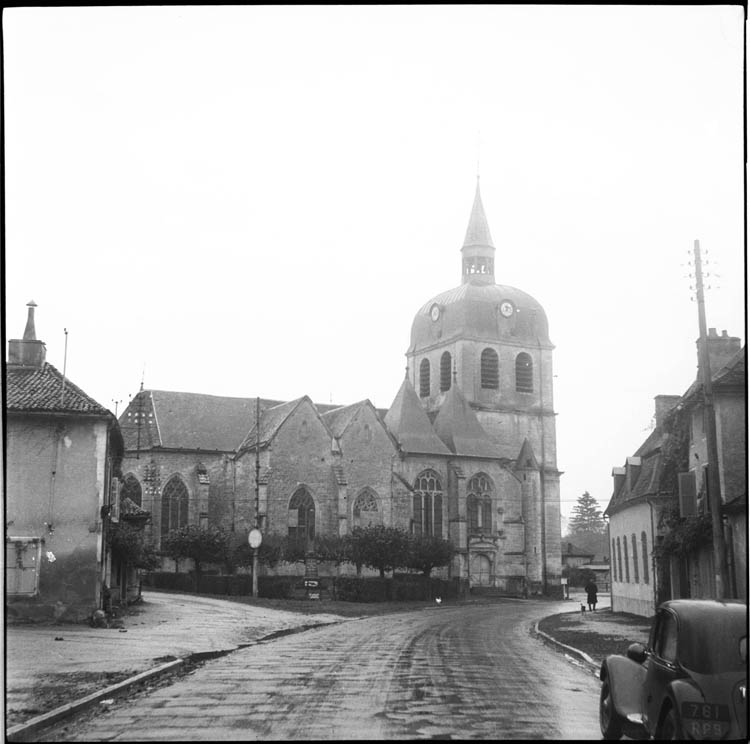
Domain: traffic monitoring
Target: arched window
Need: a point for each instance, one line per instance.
(445, 372)
(635, 558)
(424, 378)
(627, 560)
(489, 369)
(174, 505)
(524, 373)
(365, 510)
(131, 489)
(302, 517)
(644, 555)
(619, 561)
(427, 503)
(479, 504)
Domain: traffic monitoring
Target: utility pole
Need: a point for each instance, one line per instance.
(257, 493)
(709, 419)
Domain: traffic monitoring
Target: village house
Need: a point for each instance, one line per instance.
(63, 452)
(664, 483)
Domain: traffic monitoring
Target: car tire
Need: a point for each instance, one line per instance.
(609, 721)
(670, 729)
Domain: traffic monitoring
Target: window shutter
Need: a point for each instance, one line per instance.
(686, 483)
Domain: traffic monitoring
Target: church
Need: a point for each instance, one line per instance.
(466, 451)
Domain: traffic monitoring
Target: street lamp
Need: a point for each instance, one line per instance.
(254, 539)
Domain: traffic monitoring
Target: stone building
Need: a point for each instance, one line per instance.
(62, 452)
(466, 451)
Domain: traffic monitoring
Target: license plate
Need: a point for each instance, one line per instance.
(703, 720)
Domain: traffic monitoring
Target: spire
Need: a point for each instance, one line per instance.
(478, 251)
(478, 231)
(458, 426)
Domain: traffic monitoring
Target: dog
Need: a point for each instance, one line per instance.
(583, 608)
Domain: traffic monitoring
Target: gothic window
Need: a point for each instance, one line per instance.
(427, 503)
(479, 504)
(644, 553)
(366, 508)
(424, 378)
(131, 489)
(524, 373)
(445, 372)
(174, 505)
(302, 517)
(489, 369)
(635, 558)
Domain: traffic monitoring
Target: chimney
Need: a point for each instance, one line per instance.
(663, 404)
(720, 349)
(618, 474)
(27, 352)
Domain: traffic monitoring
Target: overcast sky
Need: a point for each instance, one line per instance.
(254, 201)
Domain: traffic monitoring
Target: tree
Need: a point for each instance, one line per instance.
(587, 516)
(383, 548)
(202, 544)
(270, 552)
(130, 547)
(427, 552)
(578, 575)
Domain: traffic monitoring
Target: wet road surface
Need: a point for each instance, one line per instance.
(446, 672)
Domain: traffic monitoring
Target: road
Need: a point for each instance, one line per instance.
(471, 672)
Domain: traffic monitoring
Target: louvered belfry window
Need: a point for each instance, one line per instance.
(489, 368)
(424, 378)
(524, 373)
(445, 372)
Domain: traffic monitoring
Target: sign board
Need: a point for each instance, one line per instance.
(312, 583)
(313, 595)
(254, 538)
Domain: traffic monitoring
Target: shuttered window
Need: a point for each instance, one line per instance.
(489, 369)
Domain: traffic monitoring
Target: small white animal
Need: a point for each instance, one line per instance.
(438, 600)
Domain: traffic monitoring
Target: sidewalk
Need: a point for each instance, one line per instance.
(53, 666)
(54, 670)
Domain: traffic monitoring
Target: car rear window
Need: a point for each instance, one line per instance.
(714, 648)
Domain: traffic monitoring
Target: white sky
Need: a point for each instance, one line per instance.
(256, 200)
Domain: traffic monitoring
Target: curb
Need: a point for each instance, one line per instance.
(20, 731)
(585, 658)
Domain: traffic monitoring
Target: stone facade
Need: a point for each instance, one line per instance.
(467, 453)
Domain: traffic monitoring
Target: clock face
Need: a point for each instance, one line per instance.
(435, 311)
(506, 308)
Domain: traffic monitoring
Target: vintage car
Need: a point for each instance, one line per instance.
(690, 682)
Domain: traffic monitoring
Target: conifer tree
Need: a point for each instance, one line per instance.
(586, 516)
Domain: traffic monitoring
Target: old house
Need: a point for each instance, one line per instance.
(63, 452)
(466, 451)
(664, 482)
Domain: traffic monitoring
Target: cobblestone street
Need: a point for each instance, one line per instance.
(436, 673)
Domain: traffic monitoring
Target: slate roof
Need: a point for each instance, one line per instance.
(38, 390)
(478, 230)
(458, 426)
(573, 550)
(526, 459)
(194, 420)
(339, 418)
(409, 424)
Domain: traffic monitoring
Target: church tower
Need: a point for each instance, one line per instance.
(491, 341)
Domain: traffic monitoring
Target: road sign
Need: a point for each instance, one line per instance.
(254, 538)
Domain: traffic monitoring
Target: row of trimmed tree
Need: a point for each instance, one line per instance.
(378, 547)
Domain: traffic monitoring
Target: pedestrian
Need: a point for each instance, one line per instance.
(591, 591)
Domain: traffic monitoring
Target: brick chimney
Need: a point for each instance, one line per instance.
(27, 352)
(720, 349)
(663, 404)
